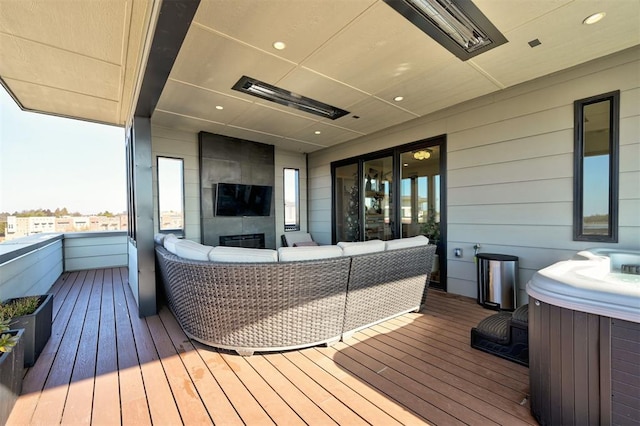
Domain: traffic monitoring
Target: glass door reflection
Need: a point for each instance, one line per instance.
(420, 196)
(347, 203)
(378, 199)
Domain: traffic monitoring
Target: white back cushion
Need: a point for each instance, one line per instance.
(419, 240)
(361, 247)
(289, 254)
(297, 237)
(241, 254)
(170, 243)
(159, 238)
(191, 250)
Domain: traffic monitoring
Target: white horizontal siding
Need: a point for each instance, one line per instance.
(291, 160)
(320, 204)
(33, 273)
(108, 251)
(538, 191)
(510, 168)
(179, 144)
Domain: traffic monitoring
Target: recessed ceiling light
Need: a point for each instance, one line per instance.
(398, 98)
(279, 45)
(317, 132)
(406, 164)
(219, 107)
(592, 19)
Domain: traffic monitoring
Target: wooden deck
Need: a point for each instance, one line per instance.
(104, 365)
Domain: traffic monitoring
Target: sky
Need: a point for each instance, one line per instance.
(596, 185)
(51, 162)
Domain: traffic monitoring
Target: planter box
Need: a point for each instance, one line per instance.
(11, 372)
(37, 329)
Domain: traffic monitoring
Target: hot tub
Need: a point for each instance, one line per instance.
(584, 339)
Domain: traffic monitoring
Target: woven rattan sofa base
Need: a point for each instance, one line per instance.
(249, 307)
(386, 284)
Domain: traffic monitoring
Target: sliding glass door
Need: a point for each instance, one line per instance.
(346, 199)
(378, 195)
(396, 193)
(420, 193)
(420, 196)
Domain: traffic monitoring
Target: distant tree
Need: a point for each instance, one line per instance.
(36, 213)
(3, 228)
(61, 212)
(597, 218)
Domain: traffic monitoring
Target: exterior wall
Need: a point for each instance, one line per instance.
(292, 160)
(510, 169)
(95, 250)
(180, 144)
(30, 266)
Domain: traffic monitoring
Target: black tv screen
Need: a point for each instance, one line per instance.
(235, 199)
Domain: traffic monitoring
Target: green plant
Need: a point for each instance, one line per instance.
(7, 341)
(19, 307)
(431, 227)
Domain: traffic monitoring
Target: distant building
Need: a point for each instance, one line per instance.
(171, 221)
(18, 227)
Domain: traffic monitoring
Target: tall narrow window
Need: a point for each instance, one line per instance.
(291, 200)
(171, 195)
(596, 168)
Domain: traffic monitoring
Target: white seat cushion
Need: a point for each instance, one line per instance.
(170, 243)
(361, 247)
(191, 250)
(290, 254)
(297, 237)
(419, 240)
(241, 254)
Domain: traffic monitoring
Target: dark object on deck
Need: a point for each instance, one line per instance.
(37, 328)
(505, 335)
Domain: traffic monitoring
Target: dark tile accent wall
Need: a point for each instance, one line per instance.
(230, 160)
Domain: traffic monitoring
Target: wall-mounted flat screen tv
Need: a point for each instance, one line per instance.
(235, 199)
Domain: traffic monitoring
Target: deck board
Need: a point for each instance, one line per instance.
(314, 404)
(105, 365)
(79, 401)
(161, 404)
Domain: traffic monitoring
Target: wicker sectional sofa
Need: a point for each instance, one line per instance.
(259, 306)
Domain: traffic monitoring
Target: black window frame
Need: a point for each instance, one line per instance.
(180, 232)
(295, 227)
(614, 167)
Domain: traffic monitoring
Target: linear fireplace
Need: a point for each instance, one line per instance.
(247, 240)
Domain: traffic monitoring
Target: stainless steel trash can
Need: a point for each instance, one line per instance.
(497, 281)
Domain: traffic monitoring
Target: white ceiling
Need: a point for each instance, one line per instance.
(75, 59)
